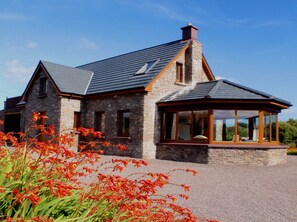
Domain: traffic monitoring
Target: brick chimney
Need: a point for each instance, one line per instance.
(189, 32)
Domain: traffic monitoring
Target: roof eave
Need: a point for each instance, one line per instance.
(213, 101)
(149, 86)
(207, 69)
(39, 67)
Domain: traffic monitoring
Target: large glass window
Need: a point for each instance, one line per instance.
(200, 125)
(227, 126)
(266, 127)
(248, 125)
(224, 125)
(184, 125)
(170, 126)
(273, 127)
(270, 127)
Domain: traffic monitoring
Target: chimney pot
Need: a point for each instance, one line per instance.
(189, 32)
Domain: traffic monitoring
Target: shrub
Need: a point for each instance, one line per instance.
(288, 132)
(292, 151)
(42, 181)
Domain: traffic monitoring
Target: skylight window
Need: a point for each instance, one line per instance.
(147, 67)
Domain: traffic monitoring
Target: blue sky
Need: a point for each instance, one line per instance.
(251, 42)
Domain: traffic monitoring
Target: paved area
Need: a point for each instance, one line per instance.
(238, 193)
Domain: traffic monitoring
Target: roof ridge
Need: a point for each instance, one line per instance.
(176, 41)
(213, 89)
(249, 89)
(181, 91)
(43, 61)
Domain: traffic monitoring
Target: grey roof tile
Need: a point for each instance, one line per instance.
(219, 89)
(69, 79)
(119, 73)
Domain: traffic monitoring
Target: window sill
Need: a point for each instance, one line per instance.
(181, 83)
(42, 96)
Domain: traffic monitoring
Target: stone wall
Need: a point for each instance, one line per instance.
(166, 84)
(182, 153)
(68, 107)
(51, 104)
(240, 155)
(250, 156)
(194, 63)
(111, 105)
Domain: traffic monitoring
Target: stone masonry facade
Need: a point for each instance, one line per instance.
(50, 104)
(268, 156)
(111, 105)
(192, 61)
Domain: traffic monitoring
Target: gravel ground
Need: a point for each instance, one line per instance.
(237, 193)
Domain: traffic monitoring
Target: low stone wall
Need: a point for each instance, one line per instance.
(223, 154)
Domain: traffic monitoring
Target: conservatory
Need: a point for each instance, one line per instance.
(221, 122)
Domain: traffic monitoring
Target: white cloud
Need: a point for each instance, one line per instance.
(291, 110)
(11, 16)
(230, 79)
(253, 22)
(171, 14)
(286, 114)
(220, 77)
(31, 45)
(17, 72)
(87, 44)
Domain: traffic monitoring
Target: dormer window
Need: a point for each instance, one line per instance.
(42, 86)
(146, 67)
(179, 73)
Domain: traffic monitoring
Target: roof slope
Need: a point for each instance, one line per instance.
(69, 79)
(122, 72)
(219, 89)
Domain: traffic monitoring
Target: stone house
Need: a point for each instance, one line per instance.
(162, 102)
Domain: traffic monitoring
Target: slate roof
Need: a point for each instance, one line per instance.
(219, 89)
(69, 79)
(120, 72)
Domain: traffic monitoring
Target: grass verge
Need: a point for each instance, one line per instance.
(292, 151)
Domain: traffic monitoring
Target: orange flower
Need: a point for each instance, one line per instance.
(185, 187)
(34, 199)
(35, 116)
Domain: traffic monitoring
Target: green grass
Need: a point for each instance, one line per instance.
(292, 151)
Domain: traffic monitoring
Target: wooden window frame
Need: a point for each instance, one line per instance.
(270, 127)
(179, 73)
(175, 140)
(210, 136)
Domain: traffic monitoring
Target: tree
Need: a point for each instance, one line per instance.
(288, 132)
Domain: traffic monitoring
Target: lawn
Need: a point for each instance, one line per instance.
(292, 151)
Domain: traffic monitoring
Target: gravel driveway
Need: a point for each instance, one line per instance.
(237, 193)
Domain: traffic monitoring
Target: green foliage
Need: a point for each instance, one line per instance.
(292, 151)
(46, 181)
(288, 132)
